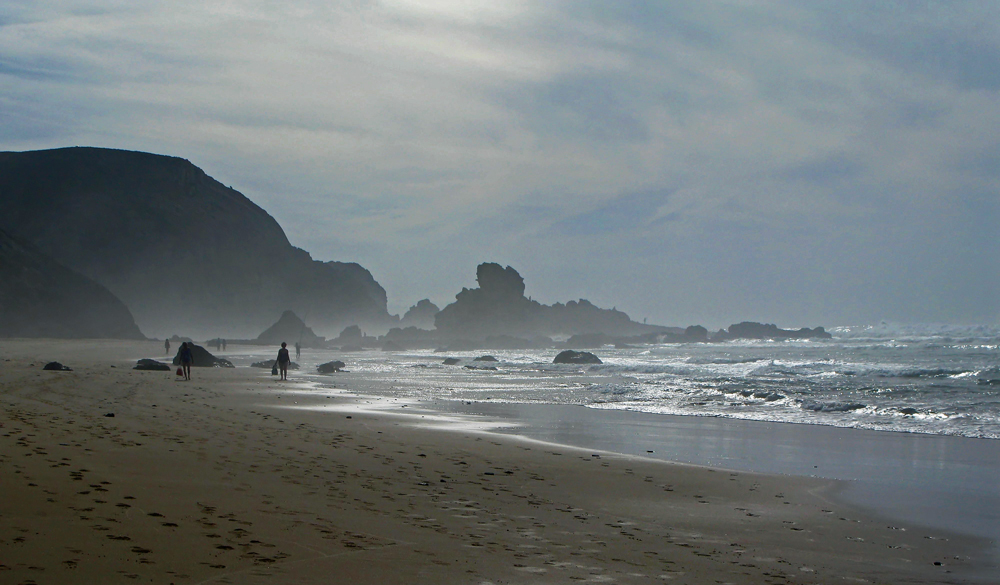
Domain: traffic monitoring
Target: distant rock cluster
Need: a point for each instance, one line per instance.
(750, 330)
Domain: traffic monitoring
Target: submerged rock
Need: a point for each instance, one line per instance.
(485, 358)
(451, 361)
(576, 357)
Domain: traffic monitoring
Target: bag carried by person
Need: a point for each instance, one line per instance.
(180, 371)
(274, 369)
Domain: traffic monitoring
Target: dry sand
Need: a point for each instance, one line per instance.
(215, 481)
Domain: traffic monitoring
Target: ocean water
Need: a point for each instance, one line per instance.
(919, 379)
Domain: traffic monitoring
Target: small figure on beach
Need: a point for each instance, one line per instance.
(166, 347)
(223, 344)
(298, 350)
(283, 360)
(187, 357)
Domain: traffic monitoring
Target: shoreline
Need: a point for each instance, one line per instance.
(909, 470)
(216, 479)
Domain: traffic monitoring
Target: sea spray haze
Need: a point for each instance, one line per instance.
(914, 379)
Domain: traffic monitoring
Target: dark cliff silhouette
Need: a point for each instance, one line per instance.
(499, 308)
(41, 298)
(183, 251)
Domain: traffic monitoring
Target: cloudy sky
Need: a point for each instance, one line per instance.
(802, 162)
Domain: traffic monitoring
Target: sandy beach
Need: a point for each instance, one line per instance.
(230, 478)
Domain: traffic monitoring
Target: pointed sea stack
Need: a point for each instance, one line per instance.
(290, 329)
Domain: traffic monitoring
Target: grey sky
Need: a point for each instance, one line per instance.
(798, 162)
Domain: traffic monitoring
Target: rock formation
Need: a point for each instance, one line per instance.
(411, 337)
(353, 339)
(421, 315)
(56, 367)
(40, 297)
(330, 367)
(181, 250)
(151, 365)
(499, 308)
(751, 330)
(290, 329)
(202, 358)
(576, 357)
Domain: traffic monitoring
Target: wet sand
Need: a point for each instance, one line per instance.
(947, 482)
(228, 478)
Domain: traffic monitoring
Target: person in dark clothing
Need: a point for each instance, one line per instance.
(186, 358)
(283, 360)
(166, 347)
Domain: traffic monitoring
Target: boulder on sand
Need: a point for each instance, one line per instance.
(201, 358)
(152, 365)
(576, 357)
(57, 367)
(330, 367)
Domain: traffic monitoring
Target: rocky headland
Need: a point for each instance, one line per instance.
(184, 252)
(40, 297)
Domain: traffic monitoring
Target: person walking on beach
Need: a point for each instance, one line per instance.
(166, 347)
(298, 350)
(283, 360)
(187, 357)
